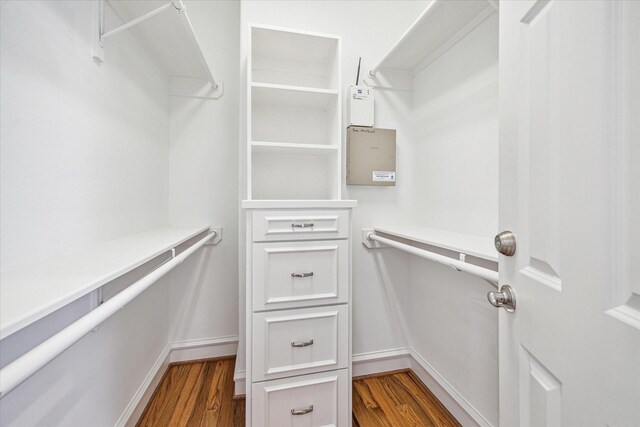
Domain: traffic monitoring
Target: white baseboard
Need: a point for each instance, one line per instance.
(381, 361)
(204, 348)
(240, 380)
(178, 351)
(135, 407)
(363, 364)
(459, 407)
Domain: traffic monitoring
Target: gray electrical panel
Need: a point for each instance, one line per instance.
(371, 156)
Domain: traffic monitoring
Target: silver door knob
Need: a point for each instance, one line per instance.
(505, 298)
(505, 243)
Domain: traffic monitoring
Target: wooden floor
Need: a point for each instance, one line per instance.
(196, 394)
(200, 393)
(397, 399)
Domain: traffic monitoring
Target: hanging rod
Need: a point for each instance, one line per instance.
(177, 5)
(485, 273)
(180, 7)
(31, 362)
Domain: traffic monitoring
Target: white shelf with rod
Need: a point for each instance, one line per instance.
(29, 294)
(442, 24)
(437, 245)
(164, 29)
(31, 362)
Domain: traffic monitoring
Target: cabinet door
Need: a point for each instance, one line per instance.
(309, 400)
(295, 342)
(296, 274)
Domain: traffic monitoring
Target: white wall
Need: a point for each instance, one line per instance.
(455, 129)
(204, 182)
(456, 148)
(84, 160)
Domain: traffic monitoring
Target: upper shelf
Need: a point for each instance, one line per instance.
(164, 28)
(477, 246)
(29, 294)
(280, 56)
(442, 24)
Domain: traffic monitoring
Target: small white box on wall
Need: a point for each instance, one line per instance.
(360, 106)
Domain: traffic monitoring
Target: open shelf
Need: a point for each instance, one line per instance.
(294, 115)
(477, 246)
(29, 294)
(292, 96)
(442, 24)
(169, 37)
(292, 176)
(290, 148)
(291, 114)
(294, 58)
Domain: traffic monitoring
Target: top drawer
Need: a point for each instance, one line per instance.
(300, 225)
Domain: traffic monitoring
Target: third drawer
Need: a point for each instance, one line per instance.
(301, 341)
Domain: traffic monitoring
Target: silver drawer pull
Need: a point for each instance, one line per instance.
(302, 343)
(302, 225)
(309, 274)
(302, 411)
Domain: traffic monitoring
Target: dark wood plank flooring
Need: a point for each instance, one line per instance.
(200, 393)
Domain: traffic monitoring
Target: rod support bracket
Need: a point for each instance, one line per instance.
(217, 238)
(369, 243)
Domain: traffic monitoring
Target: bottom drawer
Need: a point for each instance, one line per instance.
(310, 400)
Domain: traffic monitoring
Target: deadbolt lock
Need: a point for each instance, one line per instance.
(505, 243)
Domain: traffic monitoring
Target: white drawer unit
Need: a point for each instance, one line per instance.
(299, 274)
(294, 342)
(309, 401)
(300, 225)
(295, 326)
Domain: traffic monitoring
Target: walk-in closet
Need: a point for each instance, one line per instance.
(279, 213)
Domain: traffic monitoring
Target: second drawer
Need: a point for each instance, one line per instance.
(297, 274)
(295, 342)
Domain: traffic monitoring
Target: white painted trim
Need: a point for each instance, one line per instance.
(381, 361)
(459, 407)
(240, 379)
(178, 351)
(134, 409)
(204, 348)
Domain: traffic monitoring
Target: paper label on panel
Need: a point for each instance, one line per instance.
(385, 176)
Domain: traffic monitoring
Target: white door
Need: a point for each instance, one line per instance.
(570, 191)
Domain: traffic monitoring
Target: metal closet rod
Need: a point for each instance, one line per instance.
(179, 6)
(31, 362)
(485, 273)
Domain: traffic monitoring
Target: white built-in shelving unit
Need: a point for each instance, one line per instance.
(293, 128)
(164, 29)
(31, 293)
(442, 24)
